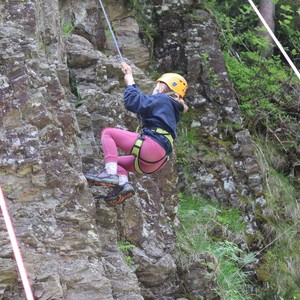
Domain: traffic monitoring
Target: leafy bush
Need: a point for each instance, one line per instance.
(257, 81)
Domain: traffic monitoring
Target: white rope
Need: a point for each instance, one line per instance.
(275, 39)
(16, 249)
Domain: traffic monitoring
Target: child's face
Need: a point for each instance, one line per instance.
(160, 87)
(156, 89)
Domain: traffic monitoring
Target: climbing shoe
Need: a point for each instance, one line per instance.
(102, 178)
(119, 194)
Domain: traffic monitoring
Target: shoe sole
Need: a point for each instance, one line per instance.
(108, 184)
(121, 198)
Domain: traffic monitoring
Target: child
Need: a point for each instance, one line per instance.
(148, 151)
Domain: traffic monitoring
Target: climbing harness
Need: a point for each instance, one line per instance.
(275, 39)
(15, 247)
(111, 31)
(138, 145)
(136, 152)
(164, 133)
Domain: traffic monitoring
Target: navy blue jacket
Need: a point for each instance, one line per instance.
(155, 111)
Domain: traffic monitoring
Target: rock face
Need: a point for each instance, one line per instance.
(53, 57)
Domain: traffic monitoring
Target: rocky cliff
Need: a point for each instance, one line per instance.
(60, 85)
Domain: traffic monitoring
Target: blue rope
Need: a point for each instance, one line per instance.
(112, 33)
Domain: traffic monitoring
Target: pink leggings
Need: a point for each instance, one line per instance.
(151, 151)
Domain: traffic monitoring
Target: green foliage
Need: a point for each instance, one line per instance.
(199, 218)
(265, 85)
(68, 28)
(232, 279)
(230, 219)
(185, 145)
(256, 88)
(125, 247)
(288, 20)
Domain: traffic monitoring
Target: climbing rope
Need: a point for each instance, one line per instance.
(15, 247)
(111, 30)
(275, 39)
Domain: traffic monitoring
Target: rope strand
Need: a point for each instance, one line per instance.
(275, 39)
(16, 249)
(111, 30)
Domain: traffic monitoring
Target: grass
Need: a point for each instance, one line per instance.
(282, 259)
(185, 146)
(199, 218)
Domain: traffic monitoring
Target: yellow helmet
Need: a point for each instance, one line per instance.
(175, 82)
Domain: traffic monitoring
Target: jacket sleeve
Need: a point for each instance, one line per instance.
(134, 99)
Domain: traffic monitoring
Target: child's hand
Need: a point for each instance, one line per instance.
(126, 69)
